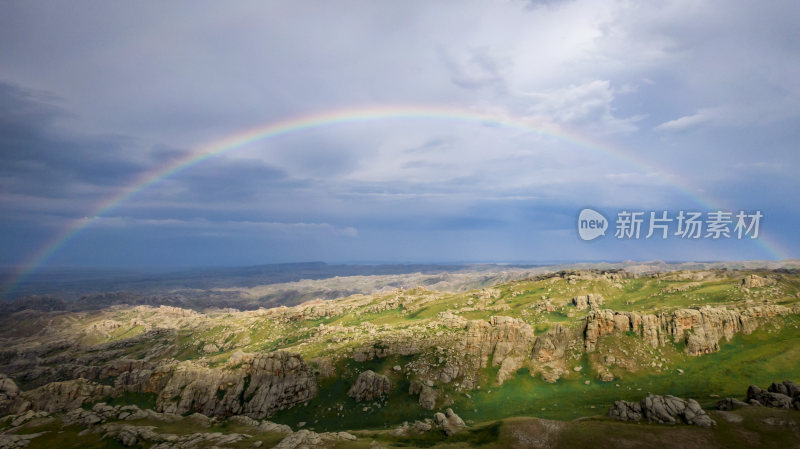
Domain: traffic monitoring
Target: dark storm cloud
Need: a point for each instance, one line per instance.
(236, 180)
(37, 157)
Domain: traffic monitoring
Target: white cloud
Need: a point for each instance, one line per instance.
(701, 117)
(589, 104)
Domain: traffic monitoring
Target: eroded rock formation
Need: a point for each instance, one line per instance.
(370, 386)
(662, 410)
(701, 329)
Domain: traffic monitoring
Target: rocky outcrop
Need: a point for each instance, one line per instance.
(102, 412)
(130, 435)
(401, 343)
(626, 411)
(754, 281)
(62, 396)
(662, 410)
(324, 367)
(9, 392)
(448, 422)
(787, 387)
(14, 441)
(370, 386)
(507, 341)
(731, 404)
(307, 439)
(588, 301)
(268, 383)
(552, 344)
(427, 395)
(700, 329)
(777, 396)
(261, 426)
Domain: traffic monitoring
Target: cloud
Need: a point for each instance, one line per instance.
(478, 67)
(39, 157)
(701, 117)
(589, 104)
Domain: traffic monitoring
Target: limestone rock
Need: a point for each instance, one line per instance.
(14, 441)
(302, 439)
(662, 410)
(499, 339)
(268, 383)
(324, 367)
(8, 388)
(754, 281)
(370, 386)
(768, 398)
(787, 388)
(9, 392)
(731, 404)
(701, 329)
(591, 300)
(427, 397)
(552, 344)
(448, 422)
(626, 411)
(67, 395)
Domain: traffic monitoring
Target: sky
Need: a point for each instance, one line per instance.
(609, 105)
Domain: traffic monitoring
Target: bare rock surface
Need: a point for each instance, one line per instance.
(370, 386)
(701, 329)
(448, 422)
(771, 398)
(268, 383)
(662, 410)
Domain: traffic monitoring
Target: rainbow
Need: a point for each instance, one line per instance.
(342, 116)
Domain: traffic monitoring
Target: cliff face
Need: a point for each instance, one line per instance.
(500, 338)
(701, 329)
(268, 383)
(506, 341)
(552, 344)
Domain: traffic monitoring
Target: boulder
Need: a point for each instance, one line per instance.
(731, 404)
(448, 422)
(591, 301)
(768, 398)
(626, 411)
(662, 410)
(370, 386)
(427, 397)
